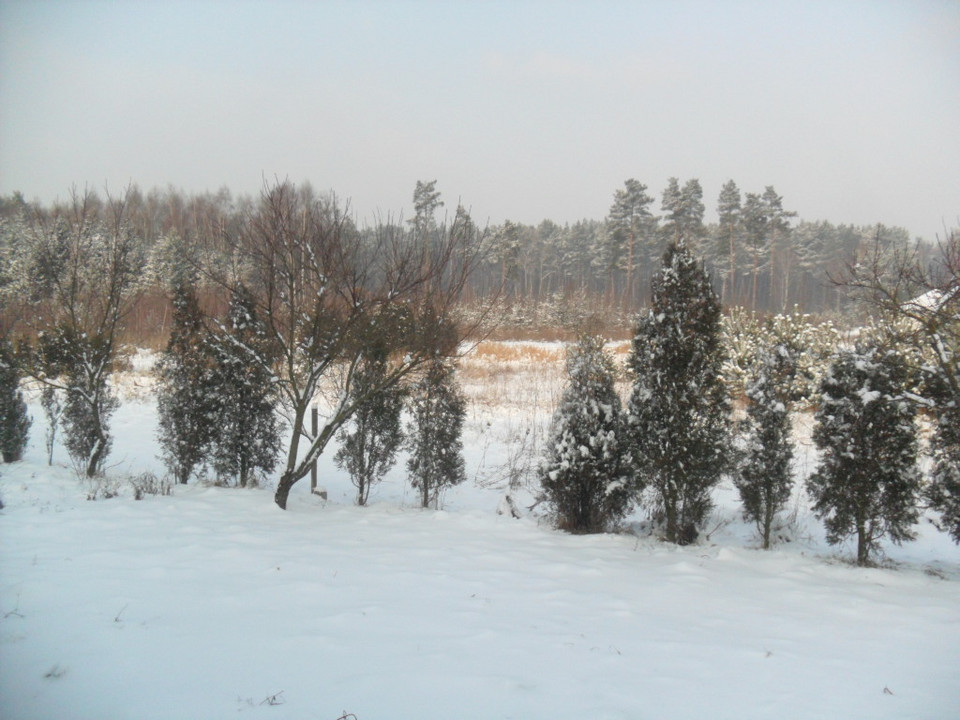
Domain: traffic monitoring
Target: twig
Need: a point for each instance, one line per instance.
(275, 699)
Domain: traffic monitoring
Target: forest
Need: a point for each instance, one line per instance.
(760, 255)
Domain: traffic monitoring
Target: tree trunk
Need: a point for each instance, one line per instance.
(767, 525)
(863, 545)
(96, 458)
(287, 481)
(671, 513)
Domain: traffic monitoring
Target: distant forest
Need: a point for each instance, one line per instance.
(761, 256)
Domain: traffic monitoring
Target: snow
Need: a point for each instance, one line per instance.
(213, 604)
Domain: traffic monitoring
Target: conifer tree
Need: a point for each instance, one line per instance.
(678, 411)
(764, 479)
(583, 475)
(435, 433)
(369, 442)
(186, 398)
(867, 481)
(81, 365)
(247, 438)
(14, 420)
(944, 489)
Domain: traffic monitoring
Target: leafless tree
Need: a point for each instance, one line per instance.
(908, 283)
(325, 290)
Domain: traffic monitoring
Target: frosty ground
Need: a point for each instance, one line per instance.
(213, 603)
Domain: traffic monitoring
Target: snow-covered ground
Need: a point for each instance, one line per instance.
(213, 603)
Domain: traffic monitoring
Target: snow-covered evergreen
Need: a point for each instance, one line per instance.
(434, 437)
(867, 482)
(14, 420)
(372, 437)
(583, 475)
(763, 478)
(186, 392)
(678, 411)
(246, 443)
(81, 365)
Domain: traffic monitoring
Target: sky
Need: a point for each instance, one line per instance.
(520, 110)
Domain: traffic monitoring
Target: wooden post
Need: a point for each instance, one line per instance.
(313, 467)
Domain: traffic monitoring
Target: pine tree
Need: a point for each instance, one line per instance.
(369, 442)
(583, 475)
(727, 235)
(630, 224)
(678, 411)
(683, 221)
(14, 420)
(186, 399)
(867, 481)
(247, 438)
(764, 479)
(434, 436)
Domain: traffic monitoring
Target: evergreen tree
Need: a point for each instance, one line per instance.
(434, 436)
(756, 235)
(867, 481)
(944, 489)
(80, 366)
(14, 420)
(727, 236)
(684, 210)
(247, 438)
(764, 479)
(186, 396)
(678, 410)
(369, 442)
(583, 475)
(630, 224)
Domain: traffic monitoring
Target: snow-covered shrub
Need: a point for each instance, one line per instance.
(146, 483)
(867, 482)
(434, 436)
(102, 487)
(678, 411)
(583, 476)
(763, 476)
(811, 343)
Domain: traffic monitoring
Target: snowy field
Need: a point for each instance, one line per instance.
(213, 603)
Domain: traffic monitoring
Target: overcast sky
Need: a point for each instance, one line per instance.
(523, 110)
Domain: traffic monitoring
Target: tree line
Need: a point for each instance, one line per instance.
(759, 254)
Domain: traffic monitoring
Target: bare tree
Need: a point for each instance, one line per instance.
(324, 291)
(904, 283)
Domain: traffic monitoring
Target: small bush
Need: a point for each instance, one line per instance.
(147, 483)
(102, 488)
